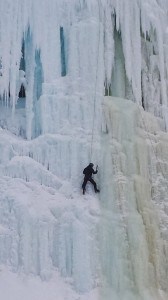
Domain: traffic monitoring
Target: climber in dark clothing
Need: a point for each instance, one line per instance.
(88, 172)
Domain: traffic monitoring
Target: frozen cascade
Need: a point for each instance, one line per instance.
(133, 247)
(126, 236)
(38, 236)
(65, 56)
(77, 40)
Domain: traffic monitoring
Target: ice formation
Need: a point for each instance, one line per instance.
(85, 80)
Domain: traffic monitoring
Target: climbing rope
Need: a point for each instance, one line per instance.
(94, 99)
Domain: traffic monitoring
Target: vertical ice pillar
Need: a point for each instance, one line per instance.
(37, 92)
(30, 64)
(118, 74)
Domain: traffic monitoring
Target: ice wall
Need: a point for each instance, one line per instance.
(117, 243)
(68, 55)
(133, 203)
(42, 232)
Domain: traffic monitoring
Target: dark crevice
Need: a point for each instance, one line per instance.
(22, 92)
(22, 61)
(63, 60)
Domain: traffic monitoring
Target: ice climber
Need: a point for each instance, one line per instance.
(88, 172)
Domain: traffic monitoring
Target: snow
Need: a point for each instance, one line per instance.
(35, 289)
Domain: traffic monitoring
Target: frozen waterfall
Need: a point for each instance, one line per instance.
(84, 80)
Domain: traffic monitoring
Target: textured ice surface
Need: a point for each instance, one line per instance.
(77, 50)
(133, 247)
(68, 55)
(43, 230)
(117, 243)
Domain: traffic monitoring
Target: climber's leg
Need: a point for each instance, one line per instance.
(94, 184)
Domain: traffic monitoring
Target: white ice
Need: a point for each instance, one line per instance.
(79, 62)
